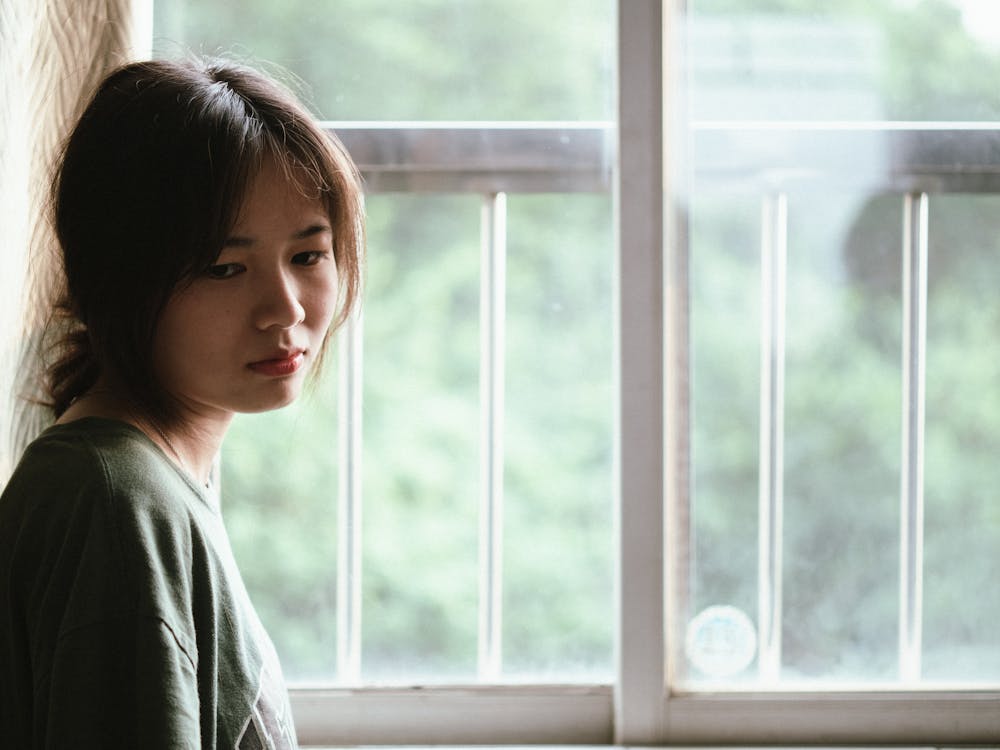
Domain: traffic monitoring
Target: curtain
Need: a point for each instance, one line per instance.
(52, 55)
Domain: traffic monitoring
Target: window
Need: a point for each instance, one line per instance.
(729, 483)
(826, 462)
(450, 518)
(834, 277)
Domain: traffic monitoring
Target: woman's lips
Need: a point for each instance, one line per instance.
(279, 366)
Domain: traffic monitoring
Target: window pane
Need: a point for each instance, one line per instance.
(280, 470)
(725, 390)
(838, 514)
(842, 438)
(464, 60)
(798, 579)
(961, 603)
(852, 60)
(430, 60)
(421, 437)
(558, 577)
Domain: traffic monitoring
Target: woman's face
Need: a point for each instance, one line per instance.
(242, 337)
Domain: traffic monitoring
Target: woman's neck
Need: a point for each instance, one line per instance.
(192, 445)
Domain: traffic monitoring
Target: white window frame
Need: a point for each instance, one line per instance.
(640, 708)
(810, 716)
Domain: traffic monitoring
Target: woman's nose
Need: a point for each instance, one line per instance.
(278, 304)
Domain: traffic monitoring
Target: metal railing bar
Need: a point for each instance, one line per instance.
(774, 223)
(902, 157)
(915, 228)
(349, 500)
(491, 378)
(678, 528)
(577, 157)
(481, 157)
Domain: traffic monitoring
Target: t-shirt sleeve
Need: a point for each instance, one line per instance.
(120, 683)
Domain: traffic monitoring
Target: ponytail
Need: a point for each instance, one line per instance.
(73, 371)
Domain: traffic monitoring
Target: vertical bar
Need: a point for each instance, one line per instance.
(678, 521)
(912, 474)
(678, 198)
(774, 250)
(493, 275)
(349, 501)
(640, 701)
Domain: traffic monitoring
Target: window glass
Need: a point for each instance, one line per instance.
(423, 60)
(420, 586)
(558, 524)
(963, 439)
(725, 393)
(841, 438)
(421, 438)
(279, 498)
(848, 60)
(796, 567)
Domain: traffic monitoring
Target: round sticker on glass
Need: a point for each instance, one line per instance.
(721, 641)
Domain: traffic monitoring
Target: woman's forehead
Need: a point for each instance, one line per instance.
(277, 190)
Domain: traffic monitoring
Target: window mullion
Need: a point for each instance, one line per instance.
(493, 248)
(349, 501)
(915, 227)
(641, 687)
(774, 241)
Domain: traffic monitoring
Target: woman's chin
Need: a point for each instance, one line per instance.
(272, 402)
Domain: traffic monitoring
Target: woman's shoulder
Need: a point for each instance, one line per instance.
(92, 513)
(82, 437)
(76, 450)
(93, 461)
(100, 490)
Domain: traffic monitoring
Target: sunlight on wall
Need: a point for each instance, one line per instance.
(14, 161)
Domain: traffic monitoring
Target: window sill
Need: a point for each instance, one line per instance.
(574, 715)
(450, 715)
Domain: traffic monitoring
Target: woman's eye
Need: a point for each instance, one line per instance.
(309, 258)
(224, 270)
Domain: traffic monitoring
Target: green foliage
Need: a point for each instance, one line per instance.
(421, 421)
(558, 522)
(279, 490)
(419, 59)
(843, 429)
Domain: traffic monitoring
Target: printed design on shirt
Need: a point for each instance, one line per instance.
(269, 726)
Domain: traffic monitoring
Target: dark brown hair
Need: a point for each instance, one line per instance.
(148, 188)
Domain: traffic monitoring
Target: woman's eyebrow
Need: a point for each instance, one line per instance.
(238, 242)
(310, 231)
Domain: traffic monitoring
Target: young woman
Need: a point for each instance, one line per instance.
(211, 238)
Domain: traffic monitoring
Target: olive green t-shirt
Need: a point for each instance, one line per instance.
(123, 619)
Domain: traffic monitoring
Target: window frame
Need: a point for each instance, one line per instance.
(922, 715)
